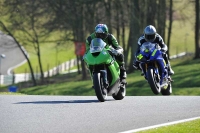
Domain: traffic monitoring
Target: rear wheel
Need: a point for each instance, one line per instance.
(121, 93)
(98, 86)
(153, 81)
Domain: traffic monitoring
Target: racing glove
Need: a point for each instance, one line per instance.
(116, 52)
(163, 50)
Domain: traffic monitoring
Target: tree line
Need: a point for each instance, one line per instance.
(31, 22)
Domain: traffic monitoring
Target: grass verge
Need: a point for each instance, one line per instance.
(185, 127)
(186, 82)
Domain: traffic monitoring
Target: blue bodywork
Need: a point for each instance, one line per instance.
(150, 56)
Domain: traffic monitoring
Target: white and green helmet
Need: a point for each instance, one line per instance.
(101, 31)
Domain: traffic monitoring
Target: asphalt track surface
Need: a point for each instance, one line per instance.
(85, 114)
(12, 52)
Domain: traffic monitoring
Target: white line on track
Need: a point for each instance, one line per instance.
(160, 125)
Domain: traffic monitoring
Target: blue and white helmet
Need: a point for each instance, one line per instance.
(150, 33)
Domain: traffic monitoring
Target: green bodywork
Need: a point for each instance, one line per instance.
(104, 58)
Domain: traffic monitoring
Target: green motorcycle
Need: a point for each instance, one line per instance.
(104, 71)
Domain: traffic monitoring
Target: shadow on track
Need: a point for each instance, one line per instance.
(61, 102)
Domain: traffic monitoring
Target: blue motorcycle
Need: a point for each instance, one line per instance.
(154, 68)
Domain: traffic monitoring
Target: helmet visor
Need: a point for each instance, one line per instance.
(101, 35)
(150, 37)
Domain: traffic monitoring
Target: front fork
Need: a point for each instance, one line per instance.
(144, 67)
(104, 75)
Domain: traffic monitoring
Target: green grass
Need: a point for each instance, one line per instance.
(49, 56)
(11, 93)
(182, 38)
(186, 82)
(182, 34)
(186, 127)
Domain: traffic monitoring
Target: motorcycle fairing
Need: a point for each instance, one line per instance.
(114, 88)
(100, 58)
(115, 71)
(103, 58)
(153, 58)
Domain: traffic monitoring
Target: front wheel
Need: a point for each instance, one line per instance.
(98, 86)
(153, 81)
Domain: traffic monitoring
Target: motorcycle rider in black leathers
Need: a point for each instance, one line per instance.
(150, 35)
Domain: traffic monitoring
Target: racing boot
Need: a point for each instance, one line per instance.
(141, 68)
(170, 79)
(106, 85)
(123, 74)
(105, 80)
(170, 71)
(136, 64)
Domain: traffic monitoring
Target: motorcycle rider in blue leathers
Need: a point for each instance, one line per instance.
(150, 35)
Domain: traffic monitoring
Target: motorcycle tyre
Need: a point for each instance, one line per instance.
(168, 91)
(98, 86)
(155, 85)
(121, 93)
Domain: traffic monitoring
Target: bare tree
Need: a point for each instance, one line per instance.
(151, 12)
(134, 28)
(78, 18)
(24, 53)
(161, 17)
(170, 24)
(27, 21)
(197, 30)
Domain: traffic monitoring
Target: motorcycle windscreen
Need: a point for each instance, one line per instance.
(97, 45)
(147, 47)
(145, 51)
